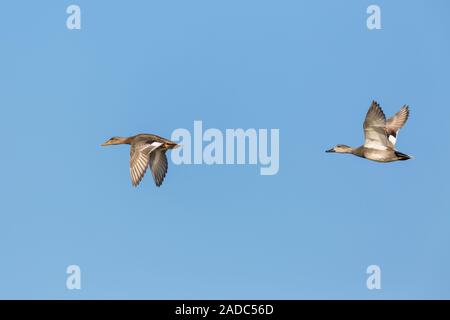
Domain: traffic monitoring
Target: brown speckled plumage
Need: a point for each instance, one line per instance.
(146, 151)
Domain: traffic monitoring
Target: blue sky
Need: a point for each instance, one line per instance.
(309, 68)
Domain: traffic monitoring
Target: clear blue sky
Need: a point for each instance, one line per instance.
(309, 68)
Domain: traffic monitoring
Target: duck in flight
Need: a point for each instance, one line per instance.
(380, 136)
(146, 150)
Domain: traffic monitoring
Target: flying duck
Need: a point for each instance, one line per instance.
(380, 136)
(146, 150)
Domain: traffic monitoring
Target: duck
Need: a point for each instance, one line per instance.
(146, 151)
(380, 136)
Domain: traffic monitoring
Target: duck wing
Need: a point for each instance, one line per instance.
(394, 124)
(156, 138)
(158, 165)
(375, 129)
(139, 159)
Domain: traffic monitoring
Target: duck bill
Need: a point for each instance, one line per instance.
(105, 144)
(330, 150)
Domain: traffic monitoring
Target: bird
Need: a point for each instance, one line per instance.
(146, 151)
(380, 136)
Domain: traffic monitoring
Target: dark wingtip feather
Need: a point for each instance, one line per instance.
(402, 156)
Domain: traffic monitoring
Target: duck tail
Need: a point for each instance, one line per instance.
(402, 156)
(171, 145)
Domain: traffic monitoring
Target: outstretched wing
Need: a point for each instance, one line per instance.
(375, 129)
(394, 124)
(158, 165)
(139, 159)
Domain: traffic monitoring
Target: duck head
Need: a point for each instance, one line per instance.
(341, 148)
(115, 140)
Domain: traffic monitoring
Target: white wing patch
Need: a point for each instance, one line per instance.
(392, 139)
(156, 145)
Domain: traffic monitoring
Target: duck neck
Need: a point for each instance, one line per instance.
(357, 151)
(125, 140)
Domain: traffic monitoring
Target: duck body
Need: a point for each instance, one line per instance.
(380, 136)
(379, 155)
(146, 151)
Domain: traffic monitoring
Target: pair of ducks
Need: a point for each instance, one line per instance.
(149, 150)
